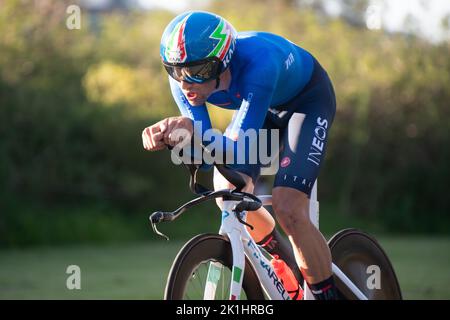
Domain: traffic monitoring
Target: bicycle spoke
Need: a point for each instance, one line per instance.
(200, 281)
(223, 286)
(196, 284)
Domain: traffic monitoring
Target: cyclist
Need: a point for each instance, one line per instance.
(271, 83)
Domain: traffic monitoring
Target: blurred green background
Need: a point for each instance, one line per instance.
(76, 186)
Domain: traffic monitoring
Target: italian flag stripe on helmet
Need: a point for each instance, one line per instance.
(176, 48)
(223, 33)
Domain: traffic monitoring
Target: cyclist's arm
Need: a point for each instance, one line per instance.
(257, 93)
(198, 114)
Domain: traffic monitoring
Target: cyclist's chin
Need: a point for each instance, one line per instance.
(197, 102)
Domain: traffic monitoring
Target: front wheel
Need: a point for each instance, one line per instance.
(188, 276)
(361, 258)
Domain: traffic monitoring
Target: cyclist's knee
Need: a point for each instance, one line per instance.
(219, 202)
(221, 183)
(291, 209)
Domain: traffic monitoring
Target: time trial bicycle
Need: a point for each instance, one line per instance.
(230, 265)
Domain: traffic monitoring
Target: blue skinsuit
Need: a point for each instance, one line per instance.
(271, 74)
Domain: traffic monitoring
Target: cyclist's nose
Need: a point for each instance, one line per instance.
(186, 85)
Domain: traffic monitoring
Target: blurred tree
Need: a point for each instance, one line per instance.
(73, 104)
(354, 11)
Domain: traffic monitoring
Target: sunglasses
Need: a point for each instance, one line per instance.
(198, 71)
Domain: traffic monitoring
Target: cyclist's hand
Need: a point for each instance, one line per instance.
(153, 136)
(178, 129)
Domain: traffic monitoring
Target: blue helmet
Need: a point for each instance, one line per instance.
(193, 39)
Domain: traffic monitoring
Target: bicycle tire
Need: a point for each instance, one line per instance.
(203, 248)
(353, 251)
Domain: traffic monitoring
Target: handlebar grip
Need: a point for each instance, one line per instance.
(160, 216)
(247, 206)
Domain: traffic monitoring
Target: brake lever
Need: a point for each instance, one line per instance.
(155, 230)
(238, 216)
(155, 218)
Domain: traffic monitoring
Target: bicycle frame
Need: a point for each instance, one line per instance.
(242, 245)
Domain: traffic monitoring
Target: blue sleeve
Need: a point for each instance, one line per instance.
(258, 90)
(258, 87)
(198, 114)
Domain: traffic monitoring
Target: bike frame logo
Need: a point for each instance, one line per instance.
(248, 147)
(270, 272)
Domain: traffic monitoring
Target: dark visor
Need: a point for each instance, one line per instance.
(199, 71)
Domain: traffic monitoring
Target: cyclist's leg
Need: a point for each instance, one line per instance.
(291, 204)
(303, 151)
(310, 247)
(261, 219)
(264, 232)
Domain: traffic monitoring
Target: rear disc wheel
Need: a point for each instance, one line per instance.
(361, 258)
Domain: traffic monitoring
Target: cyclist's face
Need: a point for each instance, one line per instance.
(197, 93)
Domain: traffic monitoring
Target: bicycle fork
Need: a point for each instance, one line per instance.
(241, 243)
(230, 227)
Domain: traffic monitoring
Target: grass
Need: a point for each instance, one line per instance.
(422, 265)
(139, 270)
